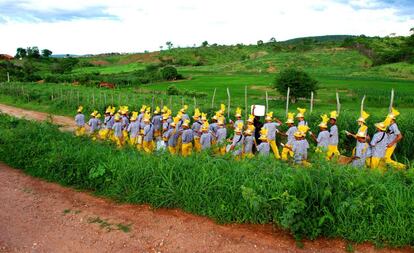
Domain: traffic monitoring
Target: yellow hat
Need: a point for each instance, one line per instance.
(197, 114)
(80, 108)
(298, 134)
(175, 121)
(269, 116)
(239, 128)
(381, 126)
(393, 114)
(166, 115)
(134, 116)
(164, 109)
(143, 108)
(217, 116)
(186, 123)
(157, 110)
(94, 113)
(112, 112)
(333, 115)
(238, 112)
(301, 113)
(148, 109)
(324, 122)
(203, 116)
(205, 126)
(251, 118)
(184, 109)
(108, 109)
(361, 134)
(363, 117)
(290, 118)
(123, 109)
(220, 122)
(222, 108)
(263, 134)
(117, 117)
(249, 130)
(303, 129)
(147, 117)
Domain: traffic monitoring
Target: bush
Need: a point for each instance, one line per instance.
(300, 83)
(169, 73)
(172, 90)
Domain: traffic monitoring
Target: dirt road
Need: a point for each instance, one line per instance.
(38, 216)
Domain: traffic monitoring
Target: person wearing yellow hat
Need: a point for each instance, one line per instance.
(333, 137)
(394, 136)
(187, 138)
(238, 116)
(237, 144)
(133, 129)
(80, 122)
(301, 117)
(248, 142)
(263, 148)
(141, 114)
(171, 136)
(104, 131)
(148, 138)
(272, 129)
(184, 115)
(221, 136)
(94, 123)
(287, 148)
(300, 146)
(379, 144)
(196, 127)
(213, 127)
(362, 150)
(361, 123)
(117, 128)
(323, 137)
(206, 137)
(156, 122)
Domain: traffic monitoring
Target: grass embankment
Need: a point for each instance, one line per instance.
(325, 200)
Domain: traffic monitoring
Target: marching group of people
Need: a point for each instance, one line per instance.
(163, 131)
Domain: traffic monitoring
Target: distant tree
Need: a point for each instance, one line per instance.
(21, 53)
(273, 40)
(63, 65)
(169, 44)
(300, 83)
(161, 47)
(46, 53)
(33, 52)
(260, 43)
(169, 73)
(204, 44)
(172, 90)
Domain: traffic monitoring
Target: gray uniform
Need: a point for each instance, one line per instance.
(187, 136)
(300, 149)
(94, 124)
(165, 126)
(333, 132)
(237, 123)
(379, 144)
(263, 149)
(125, 122)
(323, 139)
(291, 135)
(156, 121)
(80, 120)
(221, 135)
(393, 131)
(248, 144)
(196, 128)
(213, 129)
(172, 137)
(302, 123)
(362, 152)
(133, 129)
(111, 122)
(106, 120)
(271, 130)
(238, 140)
(117, 127)
(149, 132)
(185, 117)
(205, 140)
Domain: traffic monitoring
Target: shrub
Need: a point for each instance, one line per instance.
(299, 82)
(172, 90)
(169, 73)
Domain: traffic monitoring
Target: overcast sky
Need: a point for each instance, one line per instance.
(98, 26)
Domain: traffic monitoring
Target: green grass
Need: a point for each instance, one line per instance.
(358, 205)
(110, 69)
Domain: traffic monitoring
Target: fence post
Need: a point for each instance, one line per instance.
(391, 101)
(212, 100)
(338, 104)
(267, 103)
(228, 104)
(195, 102)
(362, 104)
(8, 77)
(245, 102)
(311, 102)
(287, 101)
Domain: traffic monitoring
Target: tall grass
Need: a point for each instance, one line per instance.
(325, 200)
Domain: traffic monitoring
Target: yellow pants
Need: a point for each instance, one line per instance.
(197, 144)
(275, 150)
(222, 150)
(148, 146)
(103, 133)
(125, 134)
(285, 153)
(133, 141)
(377, 163)
(248, 156)
(172, 150)
(186, 149)
(157, 133)
(332, 151)
(119, 141)
(388, 160)
(80, 131)
(179, 144)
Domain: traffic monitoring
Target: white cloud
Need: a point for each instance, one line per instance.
(145, 25)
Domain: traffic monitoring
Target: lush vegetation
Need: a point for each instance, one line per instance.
(299, 83)
(325, 200)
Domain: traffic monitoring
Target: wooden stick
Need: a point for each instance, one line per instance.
(162, 103)
(267, 103)
(245, 102)
(362, 104)
(8, 77)
(228, 104)
(311, 102)
(287, 101)
(338, 104)
(93, 99)
(195, 102)
(212, 100)
(152, 104)
(182, 101)
(391, 101)
(119, 98)
(170, 103)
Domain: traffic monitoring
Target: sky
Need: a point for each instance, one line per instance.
(125, 26)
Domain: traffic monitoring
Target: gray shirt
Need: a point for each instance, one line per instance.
(291, 135)
(238, 140)
(263, 149)
(117, 127)
(94, 124)
(205, 140)
(80, 120)
(393, 131)
(379, 144)
(271, 130)
(248, 144)
(156, 121)
(133, 129)
(125, 122)
(237, 123)
(323, 139)
(196, 128)
(221, 135)
(111, 122)
(362, 152)
(187, 136)
(302, 123)
(300, 149)
(172, 137)
(149, 132)
(333, 139)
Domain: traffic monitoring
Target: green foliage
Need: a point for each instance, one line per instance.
(325, 200)
(172, 90)
(169, 73)
(300, 83)
(46, 53)
(65, 65)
